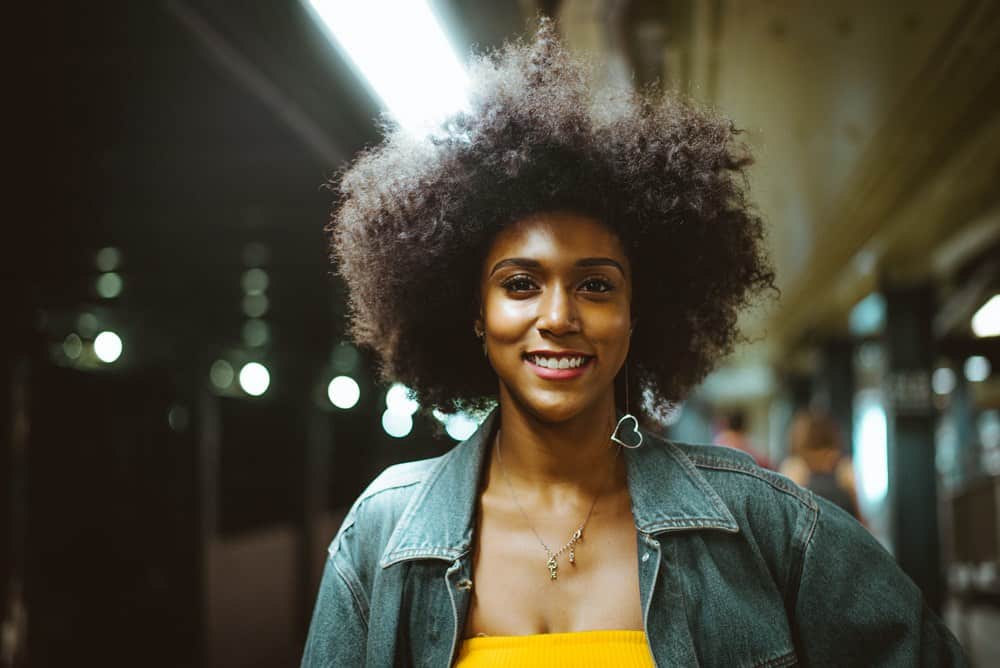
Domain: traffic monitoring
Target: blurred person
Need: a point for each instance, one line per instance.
(568, 264)
(817, 460)
(734, 435)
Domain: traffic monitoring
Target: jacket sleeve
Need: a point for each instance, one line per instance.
(339, 629)
(855, 606)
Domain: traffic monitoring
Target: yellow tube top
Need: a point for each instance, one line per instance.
(583, 649)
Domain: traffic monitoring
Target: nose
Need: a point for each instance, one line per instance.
(557, 312)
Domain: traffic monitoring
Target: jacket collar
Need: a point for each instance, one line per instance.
(668, 494)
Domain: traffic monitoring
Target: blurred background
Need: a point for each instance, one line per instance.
(182, 424)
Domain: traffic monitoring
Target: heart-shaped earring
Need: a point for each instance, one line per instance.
(634, 436)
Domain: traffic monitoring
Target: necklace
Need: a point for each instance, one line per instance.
(551, 561)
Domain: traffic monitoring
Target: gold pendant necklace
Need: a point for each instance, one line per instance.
(551, 562)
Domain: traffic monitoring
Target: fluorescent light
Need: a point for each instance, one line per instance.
(872, 448)
(402, 52)
(986, 321)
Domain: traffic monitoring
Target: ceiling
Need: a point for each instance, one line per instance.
(876, 128)
(182, 130)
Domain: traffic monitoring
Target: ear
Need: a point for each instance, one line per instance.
(478, 327)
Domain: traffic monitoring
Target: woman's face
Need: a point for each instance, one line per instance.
(556, 290)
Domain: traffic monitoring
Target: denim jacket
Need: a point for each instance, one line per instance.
(737, 567)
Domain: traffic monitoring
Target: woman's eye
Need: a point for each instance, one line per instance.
(597, 285)
(519, 284)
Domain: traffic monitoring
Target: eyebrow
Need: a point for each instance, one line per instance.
(535, 264)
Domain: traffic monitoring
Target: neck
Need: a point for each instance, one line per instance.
(575, 455)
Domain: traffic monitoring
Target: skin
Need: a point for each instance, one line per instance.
(554, 434)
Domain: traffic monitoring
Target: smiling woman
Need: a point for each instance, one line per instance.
(567, 262)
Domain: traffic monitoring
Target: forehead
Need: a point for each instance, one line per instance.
(557, 236)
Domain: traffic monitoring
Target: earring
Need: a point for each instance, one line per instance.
(481, 335)
(626, 433)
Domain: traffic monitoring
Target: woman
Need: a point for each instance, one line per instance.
(817, 460)
(573, 262)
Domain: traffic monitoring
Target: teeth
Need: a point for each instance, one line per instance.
(558, 362)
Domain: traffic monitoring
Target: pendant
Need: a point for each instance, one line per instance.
(553, 568)
(572, 556)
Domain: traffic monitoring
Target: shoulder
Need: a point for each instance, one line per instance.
(369, 524)
(379, 507)
(772, 512)
(734, 474)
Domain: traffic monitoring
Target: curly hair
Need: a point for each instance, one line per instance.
(416, 215)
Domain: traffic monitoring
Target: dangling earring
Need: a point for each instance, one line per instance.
(631, 424)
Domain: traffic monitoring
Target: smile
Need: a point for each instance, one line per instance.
(558, 367)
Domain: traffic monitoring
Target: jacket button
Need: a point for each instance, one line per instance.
(464, 584)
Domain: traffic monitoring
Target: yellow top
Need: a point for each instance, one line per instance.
(584, 649)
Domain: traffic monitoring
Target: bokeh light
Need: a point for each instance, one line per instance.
(255, 281)
(943, 380)
(459, 426)
(254, 379)
(343, 392)
(345, 357)
(221, 374)
(255, 305)
(108, 258)
(108, 347)
(397, 425)
(72, 346)
(398, 400)
(86, 324)
(109, 285)
(178, 418)
(977, 369)
(256, 332)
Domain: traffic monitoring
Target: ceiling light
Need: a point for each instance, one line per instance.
(986, 321)
(403, 54)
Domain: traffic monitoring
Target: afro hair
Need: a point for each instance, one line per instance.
(416, 215)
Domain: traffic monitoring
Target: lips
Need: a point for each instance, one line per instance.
(560, 365)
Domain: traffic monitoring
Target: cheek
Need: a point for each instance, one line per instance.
(508, 319)
(609, 322)
(613, 338)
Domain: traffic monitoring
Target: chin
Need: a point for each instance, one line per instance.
(556, 409)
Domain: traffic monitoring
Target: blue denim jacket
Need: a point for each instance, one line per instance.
(737, 567)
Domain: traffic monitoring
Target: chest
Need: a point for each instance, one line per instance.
(514, 594)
